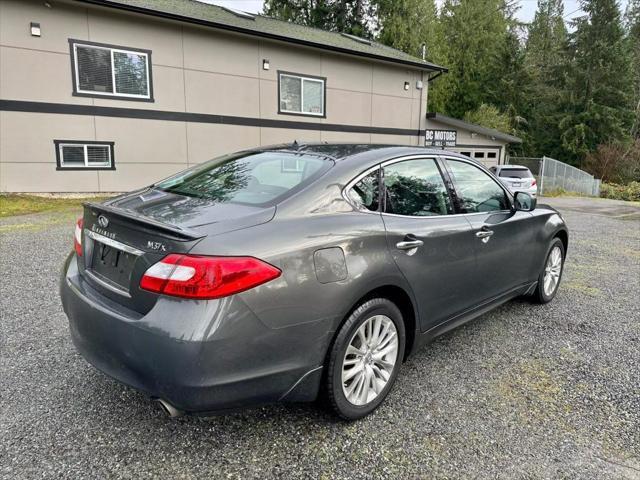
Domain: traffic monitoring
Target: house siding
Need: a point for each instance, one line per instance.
(196, 70)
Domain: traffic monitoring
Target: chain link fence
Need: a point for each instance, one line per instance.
(554, 175)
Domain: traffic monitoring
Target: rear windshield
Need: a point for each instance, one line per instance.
(515, 172)
(260, 178)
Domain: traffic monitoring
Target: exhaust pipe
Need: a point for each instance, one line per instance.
(172, 411)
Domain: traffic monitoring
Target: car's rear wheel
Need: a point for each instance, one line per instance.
(551, 274)
(365, 358)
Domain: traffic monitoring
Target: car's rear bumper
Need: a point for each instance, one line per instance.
(189, 353)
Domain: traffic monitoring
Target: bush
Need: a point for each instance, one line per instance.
(615, 162)
(629, 192)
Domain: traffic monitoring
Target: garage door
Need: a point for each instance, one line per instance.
(488, 156)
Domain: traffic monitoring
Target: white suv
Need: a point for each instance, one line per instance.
(517, 178)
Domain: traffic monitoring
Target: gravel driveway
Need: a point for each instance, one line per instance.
(524, 392)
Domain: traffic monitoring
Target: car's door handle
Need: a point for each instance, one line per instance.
(409, 244)
(484, 234)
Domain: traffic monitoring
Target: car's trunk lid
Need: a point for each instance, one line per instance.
(518, 182)
(123, 237)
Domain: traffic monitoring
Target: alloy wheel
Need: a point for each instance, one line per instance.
(369, 360)
(552, 271)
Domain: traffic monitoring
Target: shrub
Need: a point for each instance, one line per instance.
(615, 162)
(629, 192)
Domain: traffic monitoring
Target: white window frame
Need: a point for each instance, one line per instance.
(112, 50)
(302, 80)
(103, 165)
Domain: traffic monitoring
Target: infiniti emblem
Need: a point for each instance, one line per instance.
(103, 221)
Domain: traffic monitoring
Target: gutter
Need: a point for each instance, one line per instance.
(255, 33)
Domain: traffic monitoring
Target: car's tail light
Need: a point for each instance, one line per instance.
(194, 276)
(534, 182)
(77, 237)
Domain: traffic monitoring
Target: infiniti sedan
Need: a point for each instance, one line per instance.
(294, 272)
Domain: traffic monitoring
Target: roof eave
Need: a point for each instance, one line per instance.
(247, 31)
(487, 132)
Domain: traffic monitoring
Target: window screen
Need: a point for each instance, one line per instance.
(94, 69)
(106, 71)
(130, 73)
(75, 155)
(302, 95)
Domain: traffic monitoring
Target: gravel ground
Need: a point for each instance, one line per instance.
(524, 392)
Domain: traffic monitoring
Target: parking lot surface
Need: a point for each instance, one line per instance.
(525, 391)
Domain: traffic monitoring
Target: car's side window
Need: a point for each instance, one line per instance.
(415, 188)
(477, 191)
(365, 193)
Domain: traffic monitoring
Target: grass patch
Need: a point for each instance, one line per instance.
(561, 192)
(584, 289)
(14, 204)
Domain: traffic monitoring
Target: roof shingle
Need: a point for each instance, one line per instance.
(193, 11)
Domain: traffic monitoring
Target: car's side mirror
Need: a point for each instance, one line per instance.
(523, 202)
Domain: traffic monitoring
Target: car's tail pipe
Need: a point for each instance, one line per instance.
(172, 411)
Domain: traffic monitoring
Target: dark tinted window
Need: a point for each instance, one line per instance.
(515, 172)
(256, 178)
(415, 188)
(94, 69)
(476, 190)
(365, 193)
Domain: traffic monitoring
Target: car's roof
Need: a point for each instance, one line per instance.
(363, 151)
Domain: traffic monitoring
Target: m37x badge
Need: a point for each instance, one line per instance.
(157, 246)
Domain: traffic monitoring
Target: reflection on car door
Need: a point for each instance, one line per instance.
(502, 238)
(432, 247)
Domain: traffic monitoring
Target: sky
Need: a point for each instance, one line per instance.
(525, 13)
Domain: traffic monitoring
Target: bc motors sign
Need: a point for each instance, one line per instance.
(440, 138)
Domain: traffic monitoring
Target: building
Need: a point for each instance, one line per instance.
(484, 144)
(113, 95)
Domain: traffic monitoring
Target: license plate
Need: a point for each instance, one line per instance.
(113, 264)
(516, 184)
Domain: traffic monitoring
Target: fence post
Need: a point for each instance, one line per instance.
(542, 176)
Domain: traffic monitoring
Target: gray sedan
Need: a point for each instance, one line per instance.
(297, 271)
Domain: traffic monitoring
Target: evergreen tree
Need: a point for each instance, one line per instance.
(633, 42)
(407, 25)
(474, 33)
(546, 59)
(546, 39)
(344, 16)
(599, 88)
(510, 90)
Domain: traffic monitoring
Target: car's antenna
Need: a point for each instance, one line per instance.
(296, 145)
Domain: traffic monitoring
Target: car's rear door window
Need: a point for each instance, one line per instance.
(256, 178)
(475, 189)
(415, 188)
(365, 193)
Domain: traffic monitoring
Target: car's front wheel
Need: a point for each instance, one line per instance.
(549, 279)
(365, 358)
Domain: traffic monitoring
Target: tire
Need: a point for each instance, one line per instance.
(542, 294)
(348, 399)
